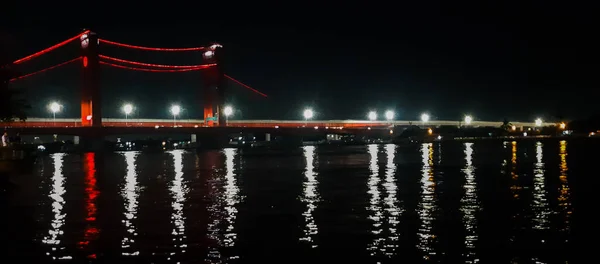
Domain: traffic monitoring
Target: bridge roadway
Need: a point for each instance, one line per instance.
(195, 123)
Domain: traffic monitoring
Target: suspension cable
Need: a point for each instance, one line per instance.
(244, 85)
(44, 51)
(200, 67)
(149, 64)
(148, 48)
(46, 69)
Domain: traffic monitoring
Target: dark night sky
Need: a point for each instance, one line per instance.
(516, 59)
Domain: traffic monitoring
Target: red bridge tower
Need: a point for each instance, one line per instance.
(91, 107)
(214, 86)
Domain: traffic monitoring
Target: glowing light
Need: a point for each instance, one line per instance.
(54, 107)
(308, 114)
(148, 48)
(468, 120)
(244, 85)
(425, 117)
(209, 54)
(88, 118)
(127, 109)
(389, 115)
(372, 115)
(85, 61)
(563, 125)
(430, 131)
(538, 122)
(200, 67)
(85, 41)
(175, 110)
(514, 128)
(151, 64)
(44, 70)
(44, 51)
(228, 110)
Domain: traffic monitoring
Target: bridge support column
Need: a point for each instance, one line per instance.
(91, 111)
(267, 137)
(76, 140)
(214, 88)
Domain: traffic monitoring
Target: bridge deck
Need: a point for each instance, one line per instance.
(120, 122)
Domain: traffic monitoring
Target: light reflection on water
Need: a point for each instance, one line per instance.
(375, 213)
(392, 209)
(232, 198)
(225, 197)
(212, 232)
(55, 233)
(384, 208)
(564, 197)
(427, 205)
(470, 205)
(91, 232)
(130, 193)
(310, 197)
(540, 201)
(178, 192)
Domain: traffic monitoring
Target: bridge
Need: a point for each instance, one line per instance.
(210, 67)
(324, 124)
(213, 100)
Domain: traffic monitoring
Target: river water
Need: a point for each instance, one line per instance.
(451, 202)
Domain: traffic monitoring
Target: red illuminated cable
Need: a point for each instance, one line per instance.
(44, 51)
(149, 64)
(244, 85)
(148, 48)
(157, 70)
(47, 69)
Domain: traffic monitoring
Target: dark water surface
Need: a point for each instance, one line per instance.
(449, 202)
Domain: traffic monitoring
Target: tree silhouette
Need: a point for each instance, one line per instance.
(506, 125)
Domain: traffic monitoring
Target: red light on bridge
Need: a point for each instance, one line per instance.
(85, 61)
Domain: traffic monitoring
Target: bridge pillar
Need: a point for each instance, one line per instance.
(91, 111)
(267, 137)
(214, 88)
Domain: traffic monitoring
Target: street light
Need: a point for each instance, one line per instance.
(175, 110)
(308, 114)
(389, 115)
(468, 120)
(54, 108)
(227, 111)
(127, 109)
(538, 122)
(372, 115)
(425, 118)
